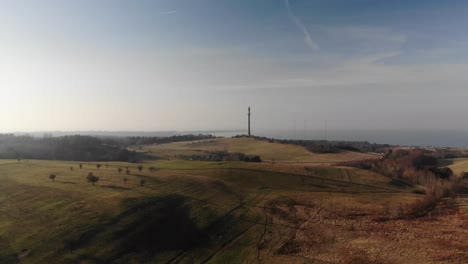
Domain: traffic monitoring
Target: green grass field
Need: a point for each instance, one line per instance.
(184, 212)
(275, 152)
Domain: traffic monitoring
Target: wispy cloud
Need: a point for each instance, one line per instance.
(307, 39)
(168, 12)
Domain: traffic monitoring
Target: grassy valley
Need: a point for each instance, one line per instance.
(297, 207)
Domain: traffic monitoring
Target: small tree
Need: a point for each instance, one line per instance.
(52, 177)
(98, 166)
(140, 168)
(125, 179)
(71, 168)
(119, 170)
(152, 169)
(81, 166)
(92, 178)
(142, 182)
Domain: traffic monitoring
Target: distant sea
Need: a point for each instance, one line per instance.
(436, 138)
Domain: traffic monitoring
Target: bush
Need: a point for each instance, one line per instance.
(92, 178)
(420, 191)
(252, 159)
(52, 177)
(443, 173)
(441, 189)
(424, 161)
(422, 207)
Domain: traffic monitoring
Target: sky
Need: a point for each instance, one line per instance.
(197, 65)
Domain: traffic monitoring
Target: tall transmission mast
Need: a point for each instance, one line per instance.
(249, 120)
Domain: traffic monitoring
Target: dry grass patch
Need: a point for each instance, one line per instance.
(327, 233)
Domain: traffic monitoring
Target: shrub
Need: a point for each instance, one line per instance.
(52, 177)
(419, 191)
(440, 189)
(443, 173)
(92, 178)
(422, 207)
(423, 161)
(252, 159)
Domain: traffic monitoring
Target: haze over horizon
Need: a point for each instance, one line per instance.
(197, 65)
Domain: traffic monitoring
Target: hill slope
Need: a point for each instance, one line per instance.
(266, 150)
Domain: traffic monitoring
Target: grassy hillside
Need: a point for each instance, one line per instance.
(457, 165)
(297, 209)
(204, 213)
(267, 151)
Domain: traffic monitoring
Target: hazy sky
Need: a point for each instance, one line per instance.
(186, 65)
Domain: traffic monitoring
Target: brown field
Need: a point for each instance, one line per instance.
(329, 233)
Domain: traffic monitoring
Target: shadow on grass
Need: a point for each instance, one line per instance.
(6, 252)
(67, 182)
(400, 183)
(160, 224)
(115, 187)
(444, 163)
(147, 227)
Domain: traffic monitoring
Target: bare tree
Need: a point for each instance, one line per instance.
(140, 168)
(98, 166)
(71, 168)
(92, 178)
(52, 177)
(119, 170)
(125, 179)
(81, 166)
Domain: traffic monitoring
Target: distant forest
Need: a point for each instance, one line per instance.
(81, 148)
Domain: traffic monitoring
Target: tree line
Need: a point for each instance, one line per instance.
(80, 148)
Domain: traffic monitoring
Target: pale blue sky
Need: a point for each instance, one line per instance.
(187, 65)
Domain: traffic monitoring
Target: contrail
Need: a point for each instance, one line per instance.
(307, 39)
(168, 12)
